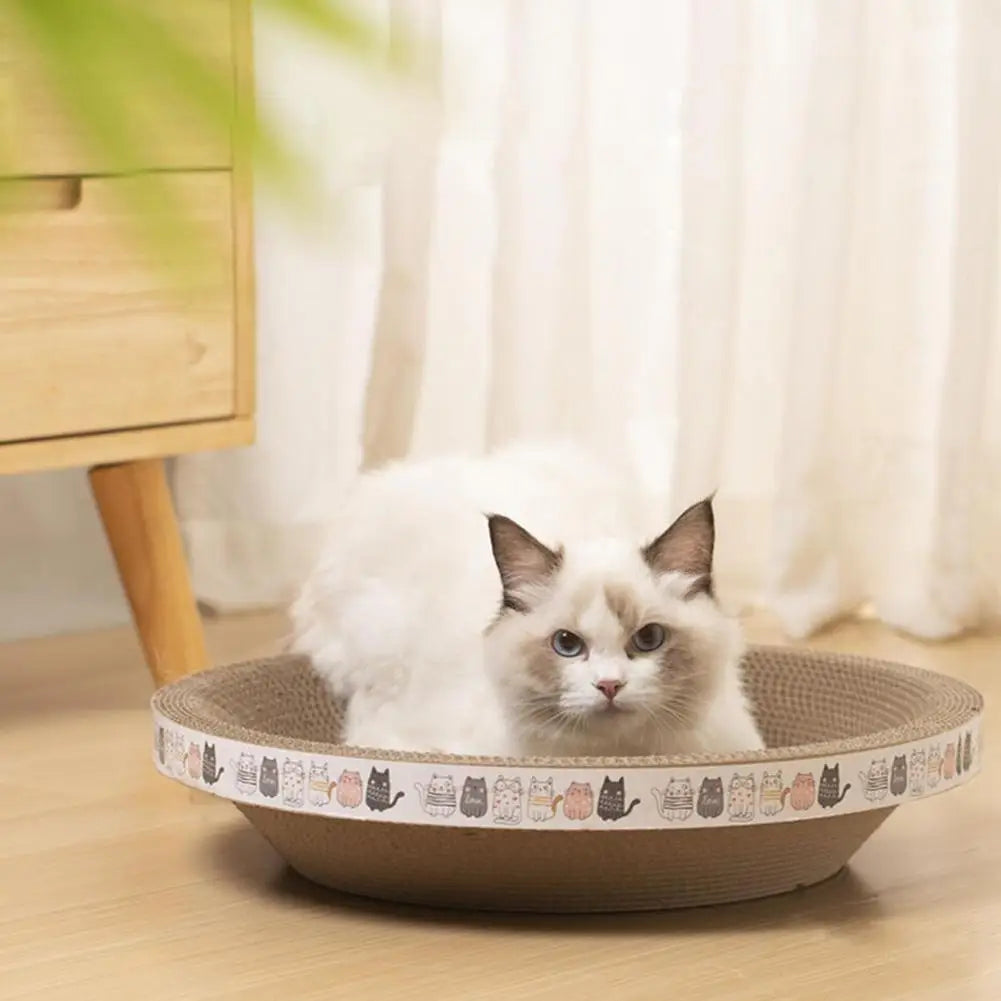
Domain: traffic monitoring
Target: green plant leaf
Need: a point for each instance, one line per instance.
(110, 63)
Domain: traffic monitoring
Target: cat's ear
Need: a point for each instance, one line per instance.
(524, 563)
(687, 548)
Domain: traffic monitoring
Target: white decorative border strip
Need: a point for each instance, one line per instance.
(566, 799)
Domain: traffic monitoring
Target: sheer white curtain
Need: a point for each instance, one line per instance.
(753, 243)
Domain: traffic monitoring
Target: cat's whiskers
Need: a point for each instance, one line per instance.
(661, 723)
(668, 716)
(565, 721)
(545, 716)
(540, 711)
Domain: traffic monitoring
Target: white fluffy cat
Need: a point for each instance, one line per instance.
(447, 626)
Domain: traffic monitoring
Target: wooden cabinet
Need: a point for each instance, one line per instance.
(100, 361)
(104, 360)
(41, 137)
(92, 339)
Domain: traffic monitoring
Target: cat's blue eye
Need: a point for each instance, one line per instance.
(649, 637)
(567, 644)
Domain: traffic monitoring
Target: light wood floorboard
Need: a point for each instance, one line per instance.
(115, 882)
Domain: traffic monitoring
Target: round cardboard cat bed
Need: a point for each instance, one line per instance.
(849, 740)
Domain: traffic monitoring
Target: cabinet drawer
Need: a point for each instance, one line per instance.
(39, 138)
(92, 337)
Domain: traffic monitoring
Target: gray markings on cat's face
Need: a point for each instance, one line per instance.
(623, 604)
(660, 688)
(607, 598)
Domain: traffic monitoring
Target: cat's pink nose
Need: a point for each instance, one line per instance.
(609, 688)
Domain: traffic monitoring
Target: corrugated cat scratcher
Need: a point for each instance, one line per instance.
(850, 739)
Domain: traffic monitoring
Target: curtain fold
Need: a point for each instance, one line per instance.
(753, 246)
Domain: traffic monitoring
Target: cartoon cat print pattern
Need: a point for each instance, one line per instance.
(565, 798)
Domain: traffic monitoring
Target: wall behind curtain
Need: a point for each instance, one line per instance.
(753, 243)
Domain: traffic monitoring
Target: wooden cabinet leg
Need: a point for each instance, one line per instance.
(141, 526)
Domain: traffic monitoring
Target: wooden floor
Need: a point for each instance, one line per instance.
(116, 882)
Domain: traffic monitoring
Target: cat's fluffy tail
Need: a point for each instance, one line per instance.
(350, 633)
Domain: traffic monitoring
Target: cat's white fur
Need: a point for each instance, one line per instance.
(400, 614)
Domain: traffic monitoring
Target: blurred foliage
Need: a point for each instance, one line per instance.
(95, 56)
